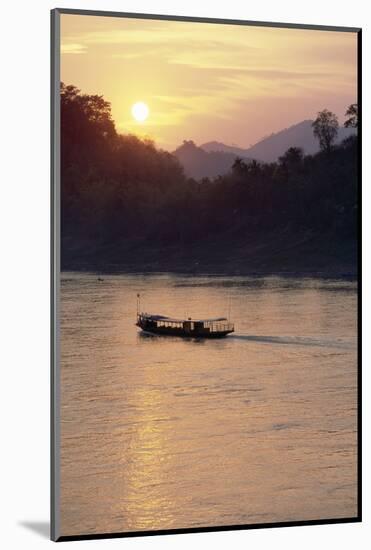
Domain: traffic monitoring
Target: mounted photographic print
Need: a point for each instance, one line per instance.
(205, 316)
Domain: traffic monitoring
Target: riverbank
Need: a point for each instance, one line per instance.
(301, 255)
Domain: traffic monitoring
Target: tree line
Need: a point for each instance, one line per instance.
(121, 194)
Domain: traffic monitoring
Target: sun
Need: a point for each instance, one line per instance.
(140, 111)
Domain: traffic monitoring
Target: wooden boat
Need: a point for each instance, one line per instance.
(195, 328)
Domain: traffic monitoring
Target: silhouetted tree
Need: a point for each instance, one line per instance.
(325, 129)
(239, 167)
(352, 113)
(254, 167)
(292, 157)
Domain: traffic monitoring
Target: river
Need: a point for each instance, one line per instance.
(168, 433)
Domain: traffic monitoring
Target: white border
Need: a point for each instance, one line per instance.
(25, 255)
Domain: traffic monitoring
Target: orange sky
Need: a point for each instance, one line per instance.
(234, 84)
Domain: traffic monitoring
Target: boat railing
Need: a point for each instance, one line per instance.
(221, 327)
(169, 324)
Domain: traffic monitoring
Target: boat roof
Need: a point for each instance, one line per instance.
(172, 320)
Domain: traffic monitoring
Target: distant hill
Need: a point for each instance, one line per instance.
(212, 146)
(198, 163)
(275, 145)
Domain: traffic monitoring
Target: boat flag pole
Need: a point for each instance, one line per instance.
(138, 303)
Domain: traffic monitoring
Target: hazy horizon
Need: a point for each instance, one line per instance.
(208, 82)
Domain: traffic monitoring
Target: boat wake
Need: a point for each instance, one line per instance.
(294, 341)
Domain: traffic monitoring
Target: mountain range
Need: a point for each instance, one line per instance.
(199, 163)
(215, 158)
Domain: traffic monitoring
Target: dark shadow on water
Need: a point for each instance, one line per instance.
(292, 340)
(167, 337)
(280, 340)
(41, 528)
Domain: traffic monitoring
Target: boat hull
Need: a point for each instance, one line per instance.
(167, 331)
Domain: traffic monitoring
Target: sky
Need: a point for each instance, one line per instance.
(208, 82)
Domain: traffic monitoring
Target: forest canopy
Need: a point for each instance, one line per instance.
(128, 204)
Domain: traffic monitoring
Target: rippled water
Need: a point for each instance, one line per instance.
(163, 432)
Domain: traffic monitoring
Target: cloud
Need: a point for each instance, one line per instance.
(73, 48)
